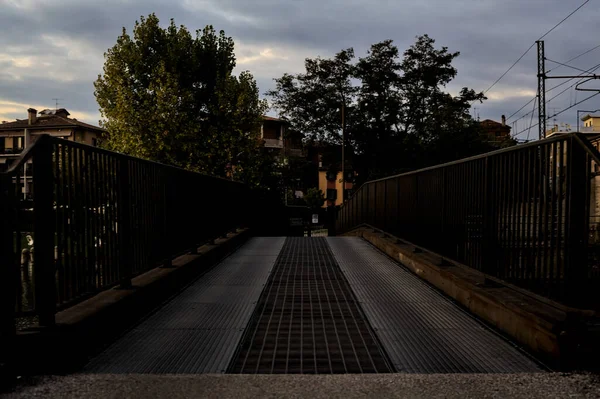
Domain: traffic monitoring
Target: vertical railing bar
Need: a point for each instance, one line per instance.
(528, 219)
(44, 229)
(111, 208)
(520, 165)
(71, 276)
(553, 212)
(560, 225)
(124, 224)
(64, 250)
(514, 198)
(89, 240)
(547, 210)
(80, 287)
(99, 243)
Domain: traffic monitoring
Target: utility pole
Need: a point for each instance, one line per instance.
(541, 75)
(542, 87)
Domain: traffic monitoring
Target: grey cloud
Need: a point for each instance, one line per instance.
(489, 34)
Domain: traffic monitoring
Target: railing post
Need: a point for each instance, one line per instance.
(124, 225)
(578, 223)
(332, 220)
(7, 274)
(44, 220)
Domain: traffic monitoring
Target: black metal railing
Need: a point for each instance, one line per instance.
(526, 215)
(88, 219)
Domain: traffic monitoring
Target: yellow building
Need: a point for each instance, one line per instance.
(330, 183)
(591, 124)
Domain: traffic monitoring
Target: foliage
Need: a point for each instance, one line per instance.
(314, 198)
(171, 97)
(398, 116)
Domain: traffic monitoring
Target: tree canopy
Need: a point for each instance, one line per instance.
(172, 97)
(398, 115)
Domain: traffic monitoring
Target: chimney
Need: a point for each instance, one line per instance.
(503, 120)
(31, 115)
(62, 112)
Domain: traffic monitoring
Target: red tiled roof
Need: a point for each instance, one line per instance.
(48, 121)
(488, 123)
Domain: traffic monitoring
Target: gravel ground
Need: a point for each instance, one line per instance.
(543, 385)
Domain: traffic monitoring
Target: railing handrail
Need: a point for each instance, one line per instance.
(591, 150)
(24, 156)
(588, 147)
(29, 152)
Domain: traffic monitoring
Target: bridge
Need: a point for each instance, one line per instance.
(121, 267)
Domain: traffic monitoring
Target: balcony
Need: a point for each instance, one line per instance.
(273, 143)
(10, 151)
(590, 129)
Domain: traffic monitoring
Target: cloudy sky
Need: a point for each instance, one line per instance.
(54, 48)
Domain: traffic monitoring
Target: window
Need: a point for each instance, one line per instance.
(332, 194)
(2, 144)
(18, 143)
(94, 142)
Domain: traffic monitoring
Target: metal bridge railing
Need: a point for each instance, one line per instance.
(88, 219)
(528, 215)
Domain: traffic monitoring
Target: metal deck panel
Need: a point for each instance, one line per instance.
(198, 331)
(307, 319)
(422, 330)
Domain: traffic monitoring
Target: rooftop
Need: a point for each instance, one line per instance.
(48, 119)
(493, 124)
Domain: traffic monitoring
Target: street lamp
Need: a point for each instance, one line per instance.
(582, 110)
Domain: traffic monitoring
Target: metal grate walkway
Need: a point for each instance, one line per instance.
(198, 331)
(307, 319)
(422, 330)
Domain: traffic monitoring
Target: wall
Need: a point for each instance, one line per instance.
(324, 184)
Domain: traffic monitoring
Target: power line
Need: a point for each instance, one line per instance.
(558, 113)
(574, 84)
(519, 110)
(577, 103)
(531, 121)
(577, 56)
(593, 69)
(533, 44)
(568, 66)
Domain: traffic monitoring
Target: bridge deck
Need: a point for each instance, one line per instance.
(310, 305)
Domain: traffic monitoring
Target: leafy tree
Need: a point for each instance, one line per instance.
(314, 198)
(398, 116)
(313, 101)
(171, 97)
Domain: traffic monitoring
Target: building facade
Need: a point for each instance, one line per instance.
(495, 133)
(591, 124)
(18, 135)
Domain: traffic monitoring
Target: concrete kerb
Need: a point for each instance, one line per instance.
(84, 329)
(563, 337)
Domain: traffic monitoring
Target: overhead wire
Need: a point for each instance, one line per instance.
(530, 121)
(533, 44)
(558, 113)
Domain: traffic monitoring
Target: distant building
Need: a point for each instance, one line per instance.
(591, 124)
(558, 129)
(278, 140)
(495, 133)
(20, 134)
